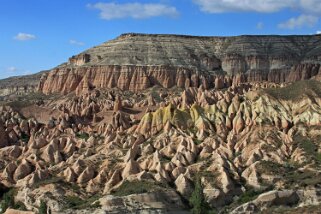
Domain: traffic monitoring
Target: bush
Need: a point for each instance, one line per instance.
(75, 202)
(25, 138)
(7, 201)
(249, 195)
(84, 136)
(197, 200)
(43, 208)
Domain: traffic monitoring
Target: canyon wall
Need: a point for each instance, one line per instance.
(138, 61)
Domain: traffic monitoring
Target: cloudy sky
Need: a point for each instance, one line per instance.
(40, 34)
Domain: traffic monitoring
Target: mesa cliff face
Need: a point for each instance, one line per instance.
(138, 61)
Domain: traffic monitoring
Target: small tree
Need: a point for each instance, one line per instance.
(197, 199)
(43, 208)
(7, 201)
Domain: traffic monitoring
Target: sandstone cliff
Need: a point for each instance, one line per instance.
(138, 61)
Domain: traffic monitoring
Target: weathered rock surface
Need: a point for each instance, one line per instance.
(135, 150)
(137, 61)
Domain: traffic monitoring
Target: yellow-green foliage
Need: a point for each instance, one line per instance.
(196, 111)
(158, 118)
(167, 113)
(182, 119)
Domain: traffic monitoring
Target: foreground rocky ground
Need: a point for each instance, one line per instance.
(253, 147)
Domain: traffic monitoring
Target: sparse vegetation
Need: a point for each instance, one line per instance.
(211, 177)
(50, 180)
(84, 136)
(43, 208)
(290, 174)
(249, 195)
(75, 202)
(197, 200)
(313, 209)
(296, 90)
(309, 146)
(9, 202)
(197, 141)
(165, 159)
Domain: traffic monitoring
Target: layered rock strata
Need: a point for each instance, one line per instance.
(138, 61)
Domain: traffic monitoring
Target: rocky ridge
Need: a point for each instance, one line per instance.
(139, 61)
(142, 123)
(118, 149)
(20, 85)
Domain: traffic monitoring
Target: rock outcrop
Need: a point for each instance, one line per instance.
(20, 85)
(137, 61)
(245, 138)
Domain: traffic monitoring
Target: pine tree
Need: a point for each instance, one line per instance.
(197, 200)
(7, 201)
(43, 208)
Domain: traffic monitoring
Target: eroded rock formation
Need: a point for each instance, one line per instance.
(137, 61)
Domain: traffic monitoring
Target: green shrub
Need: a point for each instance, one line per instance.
(7, 200)
(197, 199)
(25, 138)
(84, 136)
(75, 202)
(309, 145)
(43, 208)
(20, 206)
(249, 195)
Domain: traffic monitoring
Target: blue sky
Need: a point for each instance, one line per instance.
(40, 34)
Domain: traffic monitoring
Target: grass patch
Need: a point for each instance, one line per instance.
(310, 147)
(75, 202)
(296, 90)
(84, 136)
(249, 195)
(290, 175)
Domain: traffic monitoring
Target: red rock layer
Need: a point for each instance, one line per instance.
(136, 78)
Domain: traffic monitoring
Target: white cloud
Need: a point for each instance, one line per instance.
(24, 37)
(12, 69)
(310, 10)
(262, 6)
(75, 42)
(111, 11)
(299, 22)
(319, 32)
(311, 6)
(260, 25)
